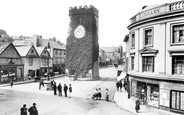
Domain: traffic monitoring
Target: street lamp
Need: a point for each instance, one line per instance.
(48, 51)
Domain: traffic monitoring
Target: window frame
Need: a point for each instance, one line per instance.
(132, 62)
(30, 61)
(132, 40)
(152, 38)
(177, 68)
(172, 34)
(146, 66)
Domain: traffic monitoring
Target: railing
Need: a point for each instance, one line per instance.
(162, 9)
(176, 6)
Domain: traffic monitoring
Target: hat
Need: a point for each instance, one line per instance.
(34, 103)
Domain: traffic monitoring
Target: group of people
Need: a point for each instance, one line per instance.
(98, 95)
(32, 110)
(55, 88)
(66, 89)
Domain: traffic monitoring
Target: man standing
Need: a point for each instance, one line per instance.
(33, 110)
(65, 89)
(23, 110)
(59, 89)
(55, 88)
(70, 90)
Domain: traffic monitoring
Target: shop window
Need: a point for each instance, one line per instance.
(178, 64)
(30, 61)
(148, 37)
(148, 63)
(178, 34)
(133, 40)
(177, 100)
(132, 63)
(153, 95)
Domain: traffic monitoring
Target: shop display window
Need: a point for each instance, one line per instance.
(153, 95)
(177, 100)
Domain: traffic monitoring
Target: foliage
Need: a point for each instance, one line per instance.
(4, 37)
(82, 53)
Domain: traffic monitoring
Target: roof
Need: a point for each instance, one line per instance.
(39, 50)
(110, 49)
(22, 42)
(3, 47)
(23, 50)
(53, 44)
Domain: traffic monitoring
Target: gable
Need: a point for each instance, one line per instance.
(32, 52)
(148, 51)
(10, 52)
(45, 53)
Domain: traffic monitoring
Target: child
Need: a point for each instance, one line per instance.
(107, 95)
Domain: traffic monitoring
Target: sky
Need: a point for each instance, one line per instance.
(49, 18)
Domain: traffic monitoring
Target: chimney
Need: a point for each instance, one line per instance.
(35, 40)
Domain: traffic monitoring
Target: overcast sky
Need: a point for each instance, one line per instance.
(49, 18)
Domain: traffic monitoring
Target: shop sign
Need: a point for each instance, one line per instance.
(146, 80)
(10, 75)
(152, 12)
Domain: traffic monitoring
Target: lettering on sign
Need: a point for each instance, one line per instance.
(151, 13)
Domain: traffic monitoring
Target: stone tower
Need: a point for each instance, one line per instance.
(82, 47)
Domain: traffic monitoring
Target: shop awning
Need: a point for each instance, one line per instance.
(121, 76)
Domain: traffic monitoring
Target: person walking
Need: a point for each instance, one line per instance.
(59, 90)
(137, 105)
(23, 110)
(11, 83)
(107, 95)
(65, 89)
(120, 85)
(99, 94)
(41, 84)
(70, 90)
(33, 110)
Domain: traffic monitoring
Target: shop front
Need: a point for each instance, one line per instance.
(172, 96)
(11, 73)
(147, 91)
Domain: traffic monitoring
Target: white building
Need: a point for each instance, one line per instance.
(155, 56)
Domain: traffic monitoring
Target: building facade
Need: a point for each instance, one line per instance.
(11, 66)
(57, 49)
(155, 56)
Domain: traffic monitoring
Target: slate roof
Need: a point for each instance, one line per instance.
(53, 44)
(39, 50)
(23, 50)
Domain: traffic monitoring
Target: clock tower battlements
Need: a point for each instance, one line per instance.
(86, 9)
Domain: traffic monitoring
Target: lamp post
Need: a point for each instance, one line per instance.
(48, 51)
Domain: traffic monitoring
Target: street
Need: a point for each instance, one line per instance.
(12, 99)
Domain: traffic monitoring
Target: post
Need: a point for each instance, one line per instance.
(48, 48)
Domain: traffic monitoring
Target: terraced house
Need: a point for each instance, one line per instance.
(155, 56)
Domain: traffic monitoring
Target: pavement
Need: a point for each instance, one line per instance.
(120, 98)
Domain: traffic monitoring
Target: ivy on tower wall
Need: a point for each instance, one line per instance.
(82, 53)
